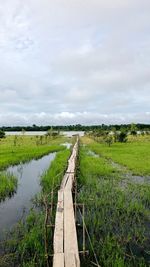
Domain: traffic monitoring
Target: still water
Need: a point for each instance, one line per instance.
(67, 133)
(12, 209)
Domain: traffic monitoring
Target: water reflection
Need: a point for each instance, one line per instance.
(28, 175)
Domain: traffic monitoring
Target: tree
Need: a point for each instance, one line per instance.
(122, 136)
(2, 134)
(133, 129)
(50, 132)
(115, 134)
(108, 140)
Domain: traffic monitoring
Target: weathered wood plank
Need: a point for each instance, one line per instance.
(70, 236)
(70, 181)
(70, 260)
(58, 260)
(59, 225)
(64, 181)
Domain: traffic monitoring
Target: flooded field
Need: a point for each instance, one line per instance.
(28, 174)
(113, 192)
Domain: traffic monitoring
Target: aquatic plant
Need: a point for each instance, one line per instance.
(8, 185)
(117, 218)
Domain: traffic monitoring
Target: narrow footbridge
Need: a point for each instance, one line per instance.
(66, 252)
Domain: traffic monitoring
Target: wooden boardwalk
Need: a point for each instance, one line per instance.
(66, 252)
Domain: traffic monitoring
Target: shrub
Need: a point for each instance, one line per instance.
(2, 134)
(122, 137)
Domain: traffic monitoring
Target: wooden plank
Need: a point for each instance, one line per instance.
(70, 181)
(59, 225)
(70, 236)
(58, 260)
(70, 260)
(65, 237)
(64, 181)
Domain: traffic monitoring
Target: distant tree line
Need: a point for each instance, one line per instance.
(77, 127)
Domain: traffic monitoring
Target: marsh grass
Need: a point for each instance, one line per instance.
(8, 185)
(53, 176)
(117, 218)
(25, 245)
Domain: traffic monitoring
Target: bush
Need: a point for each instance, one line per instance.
(2, 134)
(108, 140)
(122, 137)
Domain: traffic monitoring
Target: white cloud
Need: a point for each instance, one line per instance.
(65, 118)
(74, 61)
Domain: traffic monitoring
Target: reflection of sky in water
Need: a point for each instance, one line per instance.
(65, 133)
(67, 145)
(28, 175)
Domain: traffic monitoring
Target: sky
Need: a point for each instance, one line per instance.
(74, 61)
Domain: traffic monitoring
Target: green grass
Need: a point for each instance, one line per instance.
(8, 185)
(135, 154)
(117, 217)
(26, 148)
(54, 175)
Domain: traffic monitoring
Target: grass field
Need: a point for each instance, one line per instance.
(14, 150)
(117, 210)
(18, 149)
(135, 154)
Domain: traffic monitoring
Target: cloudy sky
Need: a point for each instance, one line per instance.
(74, 61)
